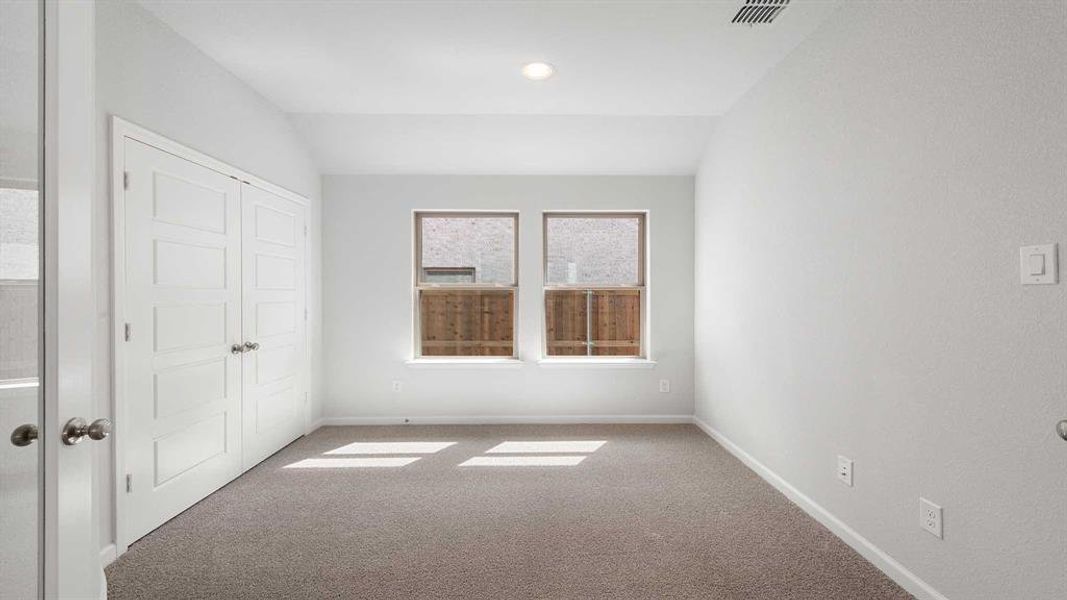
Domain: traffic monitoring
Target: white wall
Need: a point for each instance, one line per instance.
(859, 215)
(149, 75)
(367, 300)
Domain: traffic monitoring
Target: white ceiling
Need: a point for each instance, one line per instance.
(423, 65)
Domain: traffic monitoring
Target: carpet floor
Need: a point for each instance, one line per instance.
(656, 511)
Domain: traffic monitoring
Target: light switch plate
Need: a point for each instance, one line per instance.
(1038, 264)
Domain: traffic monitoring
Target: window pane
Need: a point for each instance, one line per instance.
(593, 322)
(474, 249)
(616, 322)
(593, 250)
(566, 323)
(18, 283)
(467, 322)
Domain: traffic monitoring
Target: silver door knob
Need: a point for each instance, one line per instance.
(237, 349)
(24, 435)
(76, 430)
(251, 346)
(1061, 428)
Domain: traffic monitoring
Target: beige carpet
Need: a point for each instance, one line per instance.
(658, 511)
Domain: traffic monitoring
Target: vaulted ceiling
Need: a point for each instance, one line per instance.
(434, 86)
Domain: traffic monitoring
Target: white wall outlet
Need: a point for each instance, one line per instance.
(397, 386)
(1037, 264)
(665, 385)
(844, 470)
(930, 518)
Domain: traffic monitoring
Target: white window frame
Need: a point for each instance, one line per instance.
(418, 286)
(644, 354)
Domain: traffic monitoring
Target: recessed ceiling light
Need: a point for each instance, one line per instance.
(538, 71)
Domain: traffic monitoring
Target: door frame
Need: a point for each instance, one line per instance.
(120, 130)
(70, 539)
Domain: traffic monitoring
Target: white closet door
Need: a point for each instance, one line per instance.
(181, 430)
(273, 322)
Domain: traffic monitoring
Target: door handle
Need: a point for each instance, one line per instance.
(251, 346)
(76, 430)
(237, 349)
(24, 435)
(1061, 428)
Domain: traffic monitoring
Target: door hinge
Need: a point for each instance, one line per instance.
(126, 331)
(125, 180)
(305, 230)
(129, 483)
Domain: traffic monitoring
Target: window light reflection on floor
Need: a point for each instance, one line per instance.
(391, 448)
(545, 447)
(353, 463)
(523, 461)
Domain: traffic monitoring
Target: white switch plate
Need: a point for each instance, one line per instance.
(844, 470)
(397, 386)
(1038, 264)
(664, 386)
(930, 518)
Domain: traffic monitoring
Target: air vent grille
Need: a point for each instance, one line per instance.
(759, 12)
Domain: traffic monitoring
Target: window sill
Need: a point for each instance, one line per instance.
(598, 363)
(472, 363)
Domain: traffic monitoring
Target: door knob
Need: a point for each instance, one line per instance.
(237, 349)
(76, 430)
(24, 435)
(251, 346)
(1061, 428)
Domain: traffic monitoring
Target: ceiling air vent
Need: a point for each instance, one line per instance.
(759, 12)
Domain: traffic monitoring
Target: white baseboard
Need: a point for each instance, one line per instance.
(875, 555)
(108, 555)
(503, 420)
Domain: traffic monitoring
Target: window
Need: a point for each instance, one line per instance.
(18, 284)
(594, 284)
(465, 281)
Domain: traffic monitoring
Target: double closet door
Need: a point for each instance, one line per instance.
(211, 367)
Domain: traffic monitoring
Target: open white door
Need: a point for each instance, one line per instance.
(21, 402)
(71, 560)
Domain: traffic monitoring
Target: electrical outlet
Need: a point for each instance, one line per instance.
(844, 470)
(665, 386)
(930, 518)
(397, 386)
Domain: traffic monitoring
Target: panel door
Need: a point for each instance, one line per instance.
(273, 322)
(181, 427)
(21, 401)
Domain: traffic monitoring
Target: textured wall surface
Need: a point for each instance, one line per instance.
(859, 218)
